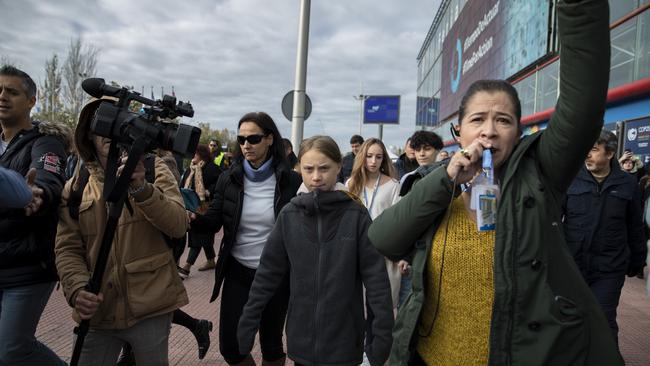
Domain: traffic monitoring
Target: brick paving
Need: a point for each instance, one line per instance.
(55, 328)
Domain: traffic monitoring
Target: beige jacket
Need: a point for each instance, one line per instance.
(140, 279)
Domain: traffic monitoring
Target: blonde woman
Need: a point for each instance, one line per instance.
(373, 181)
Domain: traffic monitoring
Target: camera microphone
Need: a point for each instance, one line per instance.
(97, 88)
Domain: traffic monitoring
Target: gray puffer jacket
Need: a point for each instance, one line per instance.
(320, 238)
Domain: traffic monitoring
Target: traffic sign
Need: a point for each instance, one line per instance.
(287, 105)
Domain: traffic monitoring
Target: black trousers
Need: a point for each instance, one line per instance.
(234, 295)
(194, 253)
(198, 241)
(607, 289)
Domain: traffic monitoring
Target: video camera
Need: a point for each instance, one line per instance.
(117, 122)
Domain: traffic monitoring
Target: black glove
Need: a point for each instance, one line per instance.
(635, 268)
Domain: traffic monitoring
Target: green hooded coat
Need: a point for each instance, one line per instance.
(543, 312)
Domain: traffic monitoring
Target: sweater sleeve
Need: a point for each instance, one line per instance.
(396, 230)
(375, 280)
(274, 265)
(584, 76)
(14, 191)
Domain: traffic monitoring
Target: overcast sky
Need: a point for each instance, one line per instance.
(229, 57)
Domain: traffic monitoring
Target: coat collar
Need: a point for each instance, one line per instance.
(615, 177)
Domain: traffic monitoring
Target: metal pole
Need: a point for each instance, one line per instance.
(361, 98)
(298, 114)
(381, 131)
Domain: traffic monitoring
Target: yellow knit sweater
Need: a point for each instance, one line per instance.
(461, 332)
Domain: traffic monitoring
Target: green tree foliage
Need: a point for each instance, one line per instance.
(225, 136)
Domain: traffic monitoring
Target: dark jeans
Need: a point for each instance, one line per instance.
(404, 289)
(20, 311)
(234, 294)
(198, 241)
(607, 290)
(194, 253)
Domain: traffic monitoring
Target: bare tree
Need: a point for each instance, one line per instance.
(7, 61)
(50, 90)
(81, 63)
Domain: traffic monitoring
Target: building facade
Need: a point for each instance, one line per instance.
(517, 40)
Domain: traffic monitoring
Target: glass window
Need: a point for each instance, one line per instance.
(623, 53)
(643, 53)
(526, 91)
(436, 74)
(620, 8)
(548, 83)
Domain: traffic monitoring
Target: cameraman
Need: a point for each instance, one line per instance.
(141, 288)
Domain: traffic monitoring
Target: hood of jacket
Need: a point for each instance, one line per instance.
(56, 129)
(82, 140)
(323, 201)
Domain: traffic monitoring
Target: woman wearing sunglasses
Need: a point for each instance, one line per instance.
(247, 200)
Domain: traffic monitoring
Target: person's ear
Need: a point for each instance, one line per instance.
(32, 102)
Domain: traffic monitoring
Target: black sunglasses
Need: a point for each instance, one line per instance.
(252, 139)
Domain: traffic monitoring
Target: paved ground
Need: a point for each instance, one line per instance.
(55, 328)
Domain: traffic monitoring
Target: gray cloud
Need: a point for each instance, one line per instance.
(229, 57)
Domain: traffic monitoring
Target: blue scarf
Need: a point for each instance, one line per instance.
(262, 173)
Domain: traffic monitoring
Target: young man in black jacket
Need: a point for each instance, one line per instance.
(348, 160)
(27, 271)
(603, 227)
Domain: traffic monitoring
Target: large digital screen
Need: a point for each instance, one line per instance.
(381, 109)
(492, 39)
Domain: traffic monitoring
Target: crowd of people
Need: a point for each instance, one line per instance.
(364, 260)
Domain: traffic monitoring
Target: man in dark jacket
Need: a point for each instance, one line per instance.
(27, 271)
(406, 162)
(603, 225)
(348, 160)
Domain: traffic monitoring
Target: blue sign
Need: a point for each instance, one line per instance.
(637, 136)
(381, 109)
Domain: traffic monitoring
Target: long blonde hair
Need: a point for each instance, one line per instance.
(359, 175)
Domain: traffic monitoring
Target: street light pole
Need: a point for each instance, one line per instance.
(361, 98)
(298, 115)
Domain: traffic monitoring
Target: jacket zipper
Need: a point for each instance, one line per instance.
(240, 203)
(318, 267)
(278, 196)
